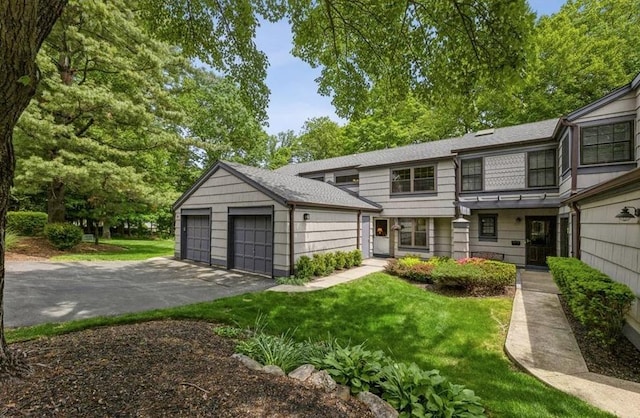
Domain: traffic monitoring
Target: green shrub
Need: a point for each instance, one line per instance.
(410, 267)
(330, 263)
(26, 223)
(420, 272)
(595, 300)
(10, 239)
(356, 258)
(353, 366)
(341, 260)
(229, 331)
(63, 236)
(409, 261)
(474, 275)
(304, 268)
(281, 351)
(419, 393)
(319, 263)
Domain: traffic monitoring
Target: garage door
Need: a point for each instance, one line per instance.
(253, 243)
(198, 238)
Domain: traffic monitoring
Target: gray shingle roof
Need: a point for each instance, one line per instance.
(286, 188)
(428, 150)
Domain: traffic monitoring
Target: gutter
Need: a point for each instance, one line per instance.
(576, 231)
(292, 212)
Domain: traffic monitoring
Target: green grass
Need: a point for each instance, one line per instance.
(462, 337)
(10, 239)
(132, 250)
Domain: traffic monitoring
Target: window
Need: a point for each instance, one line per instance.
(381, 227)
(413, 180)
(564, 154)
(471, 174)
(488, 227)
(413, 232)
(542, 168)
(606, 143)
(348, 179)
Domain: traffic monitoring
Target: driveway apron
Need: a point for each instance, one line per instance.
(41, 292)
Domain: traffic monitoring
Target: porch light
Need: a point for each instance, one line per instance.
(306, 216)
(625, 215)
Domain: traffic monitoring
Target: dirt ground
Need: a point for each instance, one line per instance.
(154, 369)
(38, 248)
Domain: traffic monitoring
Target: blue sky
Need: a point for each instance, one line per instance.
(294, 92)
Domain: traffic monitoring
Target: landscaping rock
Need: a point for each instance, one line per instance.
(303, 372)
(274, 370)
(321, 379)
(247, 361)
(379, 407)
(343, 392)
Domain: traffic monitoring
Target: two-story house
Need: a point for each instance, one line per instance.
(556, 187)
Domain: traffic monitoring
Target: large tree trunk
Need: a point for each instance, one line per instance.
(55, 202)
(24, 24)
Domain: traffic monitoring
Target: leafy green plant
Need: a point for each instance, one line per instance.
(354, 366)
(10, 239)
(319, 265)
(63, 236)
(594, 298)
(26, 223)
(304, 268)
(419, 393)
(474, 275)
(410, 267)
(341, 259)
(228, 331)
(356, 258)
(282, 351)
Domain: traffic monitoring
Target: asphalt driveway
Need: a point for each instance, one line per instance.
(40, 292)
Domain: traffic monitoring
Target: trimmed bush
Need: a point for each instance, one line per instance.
(474, 275)
(341, 260)
(356, 258)
(304, 268)
(63, 236)
(26, 223)
(319, 265)
(599, 303)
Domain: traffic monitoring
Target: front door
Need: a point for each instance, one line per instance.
(541, 239)
(381, 237)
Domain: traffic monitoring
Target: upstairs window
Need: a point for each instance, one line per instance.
(471, 174)
(413, 180)
(542, 168)
(348, 179)
(607, 143)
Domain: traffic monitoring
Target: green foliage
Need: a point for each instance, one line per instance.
(63, 236)
(282, 351)
(356, 258)
(304, 268)
(594, 298)
(10, 239)
(474, 275)
(320, 266)
(26, 223)
(228, 331)
(341, 260)
(354, 366)
(419, 393)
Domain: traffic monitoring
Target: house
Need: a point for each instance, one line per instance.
(518, 193)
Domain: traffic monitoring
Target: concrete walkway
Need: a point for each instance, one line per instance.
(541, 341)
(371, 265)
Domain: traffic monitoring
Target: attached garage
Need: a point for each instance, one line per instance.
(196, 235)
(260, 221)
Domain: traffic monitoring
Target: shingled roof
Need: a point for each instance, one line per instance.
(287, 189)
(430, 150)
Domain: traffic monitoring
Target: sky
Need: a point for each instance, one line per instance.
(294, 93)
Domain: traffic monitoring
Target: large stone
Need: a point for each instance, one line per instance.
(274, 370)
(321, 379)
(378, 407)
(343, 392)
(247, 361)
(303, 372)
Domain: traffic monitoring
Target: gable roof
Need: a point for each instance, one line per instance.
(603, 101)
(429, 150)
(617, 185)
(286, 189)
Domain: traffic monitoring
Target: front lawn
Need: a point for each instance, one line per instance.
(121, 249)
(462, 337)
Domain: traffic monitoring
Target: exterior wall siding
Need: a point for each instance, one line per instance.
(223, 190)
(375, 185)
(613, 246)
(624, 106)
(508, 230)
(325, 231)
(442, 237)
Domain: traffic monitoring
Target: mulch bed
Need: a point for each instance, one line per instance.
(38, 248)
(622, 362)
(153, 369)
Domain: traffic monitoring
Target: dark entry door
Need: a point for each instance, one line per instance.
(541, 239)
(253, 243)
(198, 238)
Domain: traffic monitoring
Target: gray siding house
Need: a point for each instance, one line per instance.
(518, 193)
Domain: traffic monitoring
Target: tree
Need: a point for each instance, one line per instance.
(320, 138)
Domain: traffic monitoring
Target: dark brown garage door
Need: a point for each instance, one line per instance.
(253, 243)
(198, 238)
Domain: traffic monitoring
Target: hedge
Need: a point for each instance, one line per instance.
(323, 264)
(598, 302)
(63, 236)
(26, 223)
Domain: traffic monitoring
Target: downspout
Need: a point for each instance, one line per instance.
(358, 231)
(456, 203)
(292, 212)
(576, 231)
